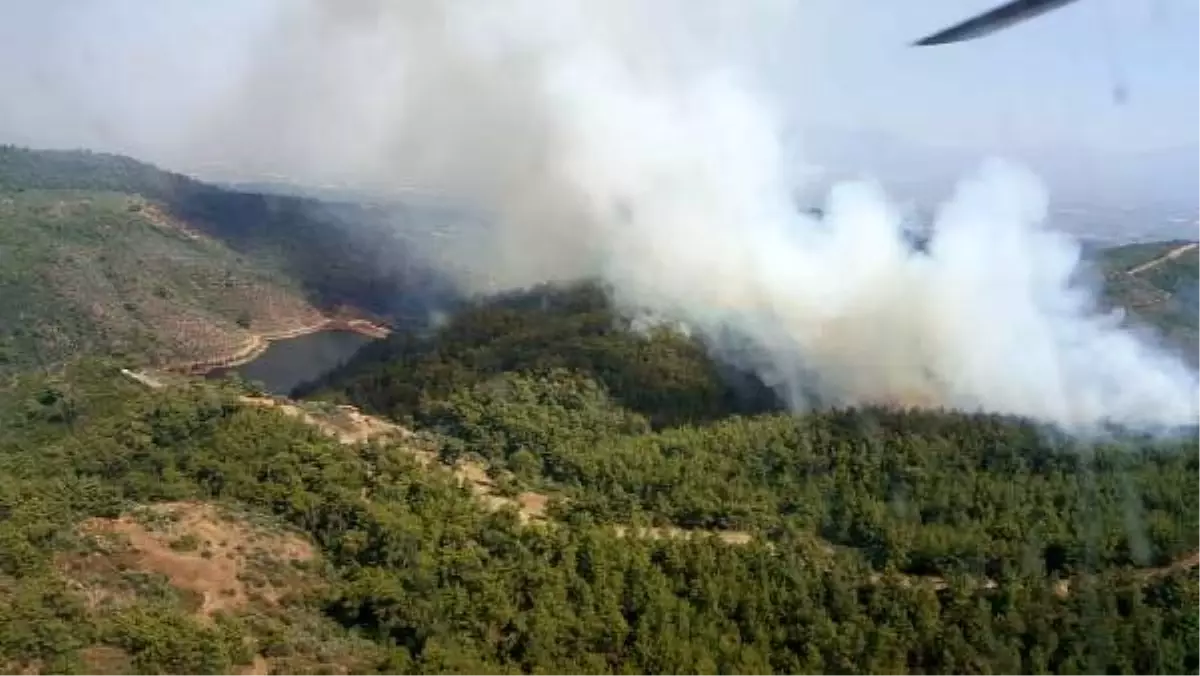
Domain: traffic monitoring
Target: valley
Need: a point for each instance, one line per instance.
(103, 254)
(530, 485)
(285, 363)
(599, 337)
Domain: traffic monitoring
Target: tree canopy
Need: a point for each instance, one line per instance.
(850, 514)
(691, 525)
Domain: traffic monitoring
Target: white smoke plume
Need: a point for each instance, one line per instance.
(633, 141)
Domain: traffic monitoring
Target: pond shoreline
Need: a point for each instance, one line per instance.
(260, 342)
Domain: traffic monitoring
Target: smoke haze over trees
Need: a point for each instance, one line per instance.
(647, 146)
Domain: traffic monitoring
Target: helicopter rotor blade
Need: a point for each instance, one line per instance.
(993, 20)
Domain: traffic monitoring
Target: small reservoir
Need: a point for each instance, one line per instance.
(292, 361)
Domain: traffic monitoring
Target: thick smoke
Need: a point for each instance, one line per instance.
(632, 141)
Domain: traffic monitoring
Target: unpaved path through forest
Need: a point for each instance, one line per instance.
(350, 426)
(1170, 255)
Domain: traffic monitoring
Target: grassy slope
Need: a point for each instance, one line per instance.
(337, 253)
(101, 253)
(106, 272)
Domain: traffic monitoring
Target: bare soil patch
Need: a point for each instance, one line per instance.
(104, 659)
(732, 537)
(222, 562)
(344, 423)
(164, 221)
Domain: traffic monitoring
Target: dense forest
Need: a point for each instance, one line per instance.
(1042, 549)
(160, 524)
(666, 378)
(873, 540)
(550, 386)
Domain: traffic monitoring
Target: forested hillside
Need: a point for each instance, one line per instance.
(182, 530)
(551, 386)
(684, 523)
(667, 378)
(554, 395)
(1156, 284)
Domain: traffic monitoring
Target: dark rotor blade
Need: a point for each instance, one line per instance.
(991, 21)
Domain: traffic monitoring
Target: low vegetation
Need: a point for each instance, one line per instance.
(336, 254)
(109, 273)
(101, 254)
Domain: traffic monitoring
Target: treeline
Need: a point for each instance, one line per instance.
(551, 387)
(922, 492)
(662, 375)
(25, 169)
(419, 579)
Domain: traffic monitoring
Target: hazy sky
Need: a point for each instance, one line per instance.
(1047, 81)
(127, 75)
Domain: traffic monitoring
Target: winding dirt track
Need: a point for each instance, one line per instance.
(1155, 262)
(350, 426)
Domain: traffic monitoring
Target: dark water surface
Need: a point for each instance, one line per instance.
(288, 363)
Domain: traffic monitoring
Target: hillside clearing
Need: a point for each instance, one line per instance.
(223, 560)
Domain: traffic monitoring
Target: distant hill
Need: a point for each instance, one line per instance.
(338, 254)
(668, 378)
(109, 272)
(102, 253)
(92, 239)
(1158, 283)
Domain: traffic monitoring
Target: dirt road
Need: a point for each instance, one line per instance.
(350, 426)
(1170, 255)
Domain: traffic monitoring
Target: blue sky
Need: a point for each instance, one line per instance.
(120, 74)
